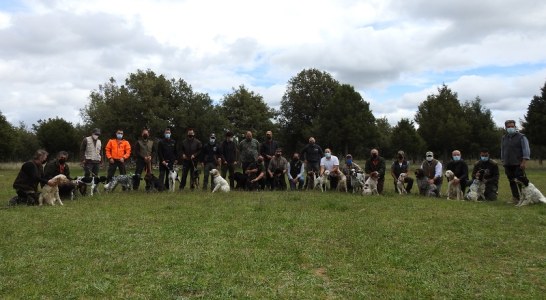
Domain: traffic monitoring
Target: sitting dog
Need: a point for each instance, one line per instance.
(312, 181)
(370, 186)
(173, 178)
(529, 194)
(241, 180)
(126, 182)
(400, 184)
(425, 188)
(220, 184)
(342, 183)
(324, 181)
(453, 189)
(357, 181)
(50, 193)
(477, 188)
(153, 183)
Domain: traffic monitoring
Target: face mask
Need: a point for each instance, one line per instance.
(295, 158)
(144, 136)
(94, 136)
(374, 155)
(429, 158)
(119, 136)
(400, 157)
(248, 138)
(212, 141)
(167, 135)
(62, 161)
(277, 155)
(229, 139)
(327, 155)
(456, 158)
(269, 137)
(484, 158)
(349, 161)
(511, 130)
(190, 136)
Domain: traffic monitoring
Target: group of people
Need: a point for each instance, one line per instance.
(263, 164)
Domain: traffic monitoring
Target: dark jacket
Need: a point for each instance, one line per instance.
(29, 176)
(514, 148)
(190, 147)
(268, 148)
(144, 148)
(210, 153)
(228, 151)
(53, 168)
(397, 168)
(166, 150)
(312, 153)
(490, 170)
(376, 165)
(460, 169)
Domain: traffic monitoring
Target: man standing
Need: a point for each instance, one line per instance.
(190, 149)
(267, 151)
(249, 150)
(433, 171)
(312, 154)
(211, 160)
(118, 151)
(143, 151)
(399, 166)
(515, 153)
(166, 155)
(228, 154)
(90, 154)
(277, 169)
(489, 171)
(459, 167)
(377, 164)
(56, 167)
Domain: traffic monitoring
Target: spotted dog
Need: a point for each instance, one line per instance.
(126, 182)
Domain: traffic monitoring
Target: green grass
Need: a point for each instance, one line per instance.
(287, 245)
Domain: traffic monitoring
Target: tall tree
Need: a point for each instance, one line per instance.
(405, 137)
(304, 99)
(346, 123)
(7, 136)
(384, 141)
(534, 122)
(57, 134)
(442, 122)
(247, 110)
(482, 131)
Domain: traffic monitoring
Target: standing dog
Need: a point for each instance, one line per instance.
(529, 194)
(324, 181)
(173, 178)
(400, 184)
(50, 194)
(126, 182)
(342, 183)
(220, 184)
(453, 190)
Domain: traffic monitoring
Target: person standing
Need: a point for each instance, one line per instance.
(28, 178)
(515, 153)
(433, 171)
(377, 164)
(459, 168)
(56, 167)
(211, 159)
(118, 151)
(312, 154)
(399, 166)
(143, 151)
(489, 170)
(267, 151)
(249, 149)
(90, 154)
(190, 148)
(166, 156)
(228, 154)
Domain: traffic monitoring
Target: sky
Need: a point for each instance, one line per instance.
(53, 53)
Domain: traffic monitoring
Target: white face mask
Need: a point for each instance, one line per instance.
(94, 136)
(429, 158)
(327, 155)
(511, 130)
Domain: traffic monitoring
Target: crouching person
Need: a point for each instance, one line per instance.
(296, 172)
(256, 175)
(58, 167)
(28, 178)
(278, 166)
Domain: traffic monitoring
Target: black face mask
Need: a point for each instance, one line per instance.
(144, 136)
(295, 158)
(374, 155)
(190, 136)
(62, 161)
(277, 155)
(269, 137)
(400, 157)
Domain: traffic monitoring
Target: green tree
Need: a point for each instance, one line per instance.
(55, 135)
(384, 140)
(534, 122)
(442, 122)
(7, 136)
(346, 123)
(406, 138)
(246, 110)
(482, 131)
(304, 99)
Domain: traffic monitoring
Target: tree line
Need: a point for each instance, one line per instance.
(314, 104)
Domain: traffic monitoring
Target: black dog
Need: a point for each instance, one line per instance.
(153, 183)
(241, 180)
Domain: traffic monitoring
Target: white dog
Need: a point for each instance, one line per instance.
(453, 189)
(342, 183)
(400, 184)
(370, 186)
(476, 190)
(173, 178)
(50, 194)
(220, 184)
(357, 181)
(313, 177)
(324, 181)
(529, 194)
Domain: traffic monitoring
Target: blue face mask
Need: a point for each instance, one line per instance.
(167, 135)
(456, 158)
(119, 136)
(511, 130)
(349, 161)
(484, 158)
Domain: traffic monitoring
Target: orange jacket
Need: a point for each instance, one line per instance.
(117, 149)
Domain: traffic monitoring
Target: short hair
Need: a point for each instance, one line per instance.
(62, 153)
(484, 150)
(509, 122)
(39, 153)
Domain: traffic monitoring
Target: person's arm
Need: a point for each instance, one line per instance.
(289, 175)
(392, 170)
(382, 167)
(108, 150)
(464, 177)
(127, 150)
(83, 147)
(526, 151)
(302, 172)
(438, 170)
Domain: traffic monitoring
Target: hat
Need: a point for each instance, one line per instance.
(212, 135)
(429, 153)
(348, 156)
(96, 131)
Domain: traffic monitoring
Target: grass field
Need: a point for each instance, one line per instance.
(287, 245)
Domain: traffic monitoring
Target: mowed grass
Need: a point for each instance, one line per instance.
(291, 245)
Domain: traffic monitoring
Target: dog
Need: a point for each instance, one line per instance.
(342, 183)
(173, 178)
(453, 190)
(220, 184)
(195, 178)
(400, 184)
(370, 186)
(126, 182)
(477, 188)
(529, 193)
(87, 186)
(324, 181)
(50, 193)
(153, 183)
(313, 181)
(425, 188)
(241, 180)
(357, 181)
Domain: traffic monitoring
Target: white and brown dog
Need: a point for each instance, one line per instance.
(529, 194)
(453, 188)
(342, 182)
(370, 186)
(50, 193)
(477, 189)
(324, 181)
(220, 184)
(400, 184)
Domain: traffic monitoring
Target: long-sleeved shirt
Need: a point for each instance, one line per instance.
(295, 173)
(514, 149)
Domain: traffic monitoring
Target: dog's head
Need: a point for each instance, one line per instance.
(214, 173)
(419, 173)
(374, 175)
(326, 173)
(402, 176)
(60, 179)
(450, 175)
(522, 180)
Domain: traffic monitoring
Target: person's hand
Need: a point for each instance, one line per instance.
(82, 163)
(431, 181)
(192, 156)
(456, 180)
(111, 160)
(122, 160)
(522, 164)
(51, 182)
(184, 156)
